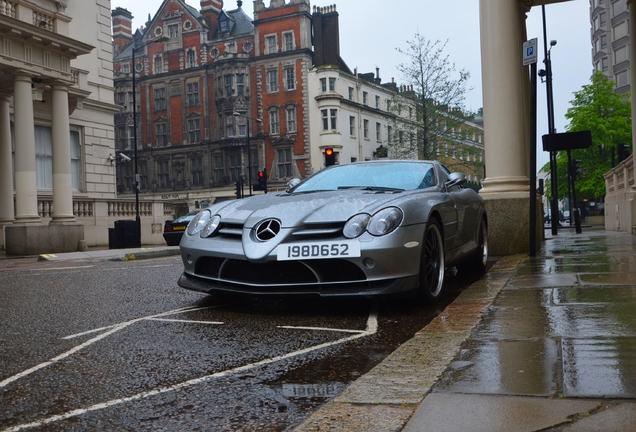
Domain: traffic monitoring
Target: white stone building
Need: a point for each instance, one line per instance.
(56, 124)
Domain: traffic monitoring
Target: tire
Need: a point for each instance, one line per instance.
(432, 263)
(479, 258)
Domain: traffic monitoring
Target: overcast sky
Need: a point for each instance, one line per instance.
(371, 30)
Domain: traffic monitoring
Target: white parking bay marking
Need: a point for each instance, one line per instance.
(113, 329)
(371, 329)
(187, 321)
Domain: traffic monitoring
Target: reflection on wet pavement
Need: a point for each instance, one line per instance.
(564, 325)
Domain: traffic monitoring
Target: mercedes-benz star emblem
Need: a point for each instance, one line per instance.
(267, 229)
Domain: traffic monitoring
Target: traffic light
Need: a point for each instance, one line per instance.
(330, 157)
(261, 184)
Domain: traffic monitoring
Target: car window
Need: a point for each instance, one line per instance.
(185, 218)
(401, 175)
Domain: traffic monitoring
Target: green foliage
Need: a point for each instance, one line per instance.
(428, 108)
(596, 107)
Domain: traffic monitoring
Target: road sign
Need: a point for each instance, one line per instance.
(530, 52)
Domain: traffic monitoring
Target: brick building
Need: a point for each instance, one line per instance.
(219, 92)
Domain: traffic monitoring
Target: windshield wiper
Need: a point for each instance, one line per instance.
(309, 191)
(372, 188)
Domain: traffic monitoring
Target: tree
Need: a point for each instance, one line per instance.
(428, 109)
(607, 114)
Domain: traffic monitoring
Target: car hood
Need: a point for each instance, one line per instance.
(294, 210)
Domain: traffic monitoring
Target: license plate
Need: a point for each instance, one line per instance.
(178, 228)
(318, 250)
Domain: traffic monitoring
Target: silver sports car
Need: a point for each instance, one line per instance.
(368, 228)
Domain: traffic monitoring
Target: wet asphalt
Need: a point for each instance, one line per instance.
(537, 344)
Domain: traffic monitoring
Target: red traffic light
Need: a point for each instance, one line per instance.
(329, 152)
(261, 175)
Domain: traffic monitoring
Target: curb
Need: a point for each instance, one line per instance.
(146, 255)
(385, 398)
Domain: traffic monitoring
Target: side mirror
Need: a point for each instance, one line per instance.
(455, 179)
(292, 183)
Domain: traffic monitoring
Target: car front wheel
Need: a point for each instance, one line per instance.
(432, 263)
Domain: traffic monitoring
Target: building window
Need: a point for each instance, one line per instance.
(378, 132)
(173, 31)
(217, 164)
(229, 126)
(125, 68)
(352, 126)
(350, 93)
(621, 30)
(223, 26)
(270, 44)
(163, 173)
(284, 162)
(272, 81)
(389, 134)
(365, 129)
(228, 85)
(274, 125)
(193, 93)
(143, 175)
(241, 124)
(323, 85)
(332, 84)
(290, 79)
(194, 130)
(76, 163)
(621, 79)
(240, 84)
(621, 54)
(158, 64)
(377, 102)
(235, 166)
(196, 170)
(192, 59)
(365, 98)
(290, 114)
(288, 41)
(161, 134)
(160, 98)
(329, 118)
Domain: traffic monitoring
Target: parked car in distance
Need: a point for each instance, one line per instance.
(173, 229)
(361, 229)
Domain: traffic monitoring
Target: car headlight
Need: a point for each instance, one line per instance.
(356, 226)
(211, 226)
(199, 221)
(384, 221)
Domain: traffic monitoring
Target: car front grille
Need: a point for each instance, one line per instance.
(279, 272)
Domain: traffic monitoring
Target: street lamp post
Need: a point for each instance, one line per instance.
(554, 207)
(136, 163)
(249, 151)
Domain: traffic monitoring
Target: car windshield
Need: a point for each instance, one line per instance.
(185, 218)
(371, 176)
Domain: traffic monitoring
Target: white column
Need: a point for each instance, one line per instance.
(502, 37)
(6, 168)
(62, 179)
(26, 194)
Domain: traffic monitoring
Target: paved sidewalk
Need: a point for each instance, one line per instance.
(544, 343)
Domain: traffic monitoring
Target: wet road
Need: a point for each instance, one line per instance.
(102, 345)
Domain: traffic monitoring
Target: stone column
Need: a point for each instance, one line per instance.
(26, 198)
(506, 188)
(62, 179)
(6, 166)
(503, 94)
